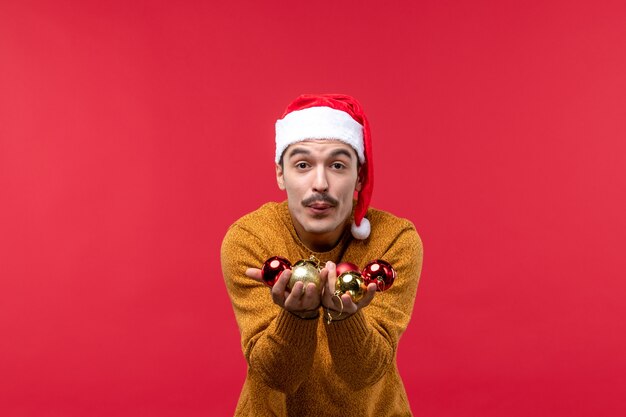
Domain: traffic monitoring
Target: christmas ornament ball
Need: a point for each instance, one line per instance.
(380, 273)
(345, 267)
(306, 271)
(352, 283)
(272, 268)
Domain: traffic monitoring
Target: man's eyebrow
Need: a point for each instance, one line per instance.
(303, 151)
(338, 152)
(298, 151)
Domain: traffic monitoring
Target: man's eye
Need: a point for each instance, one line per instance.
(338, 165)
(301, 165)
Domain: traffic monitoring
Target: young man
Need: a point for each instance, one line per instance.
(308, 353)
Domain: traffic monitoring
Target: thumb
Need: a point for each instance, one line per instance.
(254, 273)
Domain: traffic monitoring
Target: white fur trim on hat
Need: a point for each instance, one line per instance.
(362, 231)
(319, 123)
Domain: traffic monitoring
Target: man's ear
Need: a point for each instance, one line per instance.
(359, 182)
(280, 179)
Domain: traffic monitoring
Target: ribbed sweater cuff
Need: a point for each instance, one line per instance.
(354, 329)
(294, 330)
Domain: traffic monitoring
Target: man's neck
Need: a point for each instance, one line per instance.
(319, 242)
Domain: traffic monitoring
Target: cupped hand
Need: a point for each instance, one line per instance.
(345, 307)
(300, 300)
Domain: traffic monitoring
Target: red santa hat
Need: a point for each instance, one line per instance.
(332, 117)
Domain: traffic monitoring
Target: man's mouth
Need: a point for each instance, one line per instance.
(320, 209)
(319, 206)
(320, 203)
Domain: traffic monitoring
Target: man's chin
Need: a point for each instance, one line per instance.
(319, 228)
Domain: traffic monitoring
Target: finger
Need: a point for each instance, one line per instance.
(255, 274)
(331, 279)
(279, 288)
(311, 297)
(348, 304)
(300, 290)
(312, 290)
(282, 281)
(332, 269)
(326, 292)
(323, 279)
(293, 300)
(368, 297)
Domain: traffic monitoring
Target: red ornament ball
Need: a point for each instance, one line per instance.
(272, 268)
(380, 273)
(347, 267)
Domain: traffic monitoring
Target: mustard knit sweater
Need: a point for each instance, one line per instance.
(300, 367)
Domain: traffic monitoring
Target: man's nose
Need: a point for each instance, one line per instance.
(320, 183)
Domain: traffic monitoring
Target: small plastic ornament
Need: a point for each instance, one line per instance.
(305, 270)
(272, 268)
(380, 273)
(345, 267)
(350, 282)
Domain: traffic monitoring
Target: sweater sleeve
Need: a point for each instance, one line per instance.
(277, 345)
(364, 345)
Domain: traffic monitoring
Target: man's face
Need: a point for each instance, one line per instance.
(320, 177)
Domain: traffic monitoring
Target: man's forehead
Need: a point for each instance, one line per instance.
(321, 146)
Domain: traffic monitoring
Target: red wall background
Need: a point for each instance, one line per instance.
(133, 133)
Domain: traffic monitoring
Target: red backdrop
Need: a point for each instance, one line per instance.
(133, 133)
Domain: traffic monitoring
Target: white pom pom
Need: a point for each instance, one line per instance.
(363, 231)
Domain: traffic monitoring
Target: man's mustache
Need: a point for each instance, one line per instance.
(319, 198)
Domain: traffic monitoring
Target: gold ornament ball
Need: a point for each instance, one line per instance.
(305, 271)
(351, 282)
